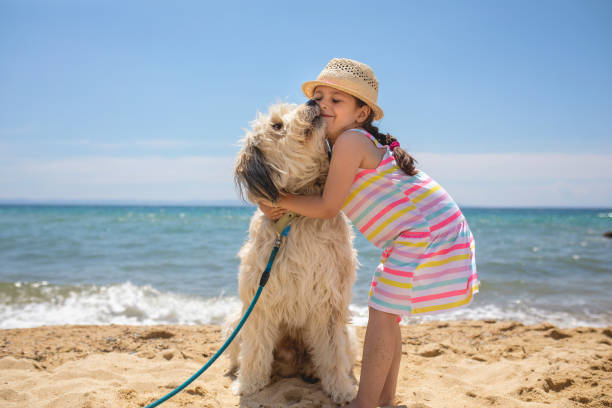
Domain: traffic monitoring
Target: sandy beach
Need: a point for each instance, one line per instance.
(445, 364)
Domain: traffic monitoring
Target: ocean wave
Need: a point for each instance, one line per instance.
(39, 303)
(31, 304)
(522, 313)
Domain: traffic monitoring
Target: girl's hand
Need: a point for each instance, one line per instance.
(273, 213)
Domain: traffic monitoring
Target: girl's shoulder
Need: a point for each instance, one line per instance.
(362, 131)
(368, 136)
(361, 145)
(355, 138)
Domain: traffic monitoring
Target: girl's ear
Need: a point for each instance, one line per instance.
(364, 113)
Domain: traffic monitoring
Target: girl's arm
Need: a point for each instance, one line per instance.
(349, 151)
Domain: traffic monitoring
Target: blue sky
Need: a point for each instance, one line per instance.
(504, 103)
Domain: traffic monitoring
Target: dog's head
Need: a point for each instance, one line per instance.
(283, 152)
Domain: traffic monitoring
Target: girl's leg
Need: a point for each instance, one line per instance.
(387, 396)
(379, 353)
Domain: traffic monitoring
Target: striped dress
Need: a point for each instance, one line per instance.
(428, 260)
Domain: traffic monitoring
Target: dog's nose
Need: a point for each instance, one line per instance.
(311, 103)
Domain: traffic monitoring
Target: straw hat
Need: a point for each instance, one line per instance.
(352, 77)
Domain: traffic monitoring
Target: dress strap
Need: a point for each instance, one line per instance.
(372, 138)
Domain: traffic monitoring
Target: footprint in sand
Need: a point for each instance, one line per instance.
(556, 384)
(430, 350)
(531, 394)
(558, 335)
(157, 334)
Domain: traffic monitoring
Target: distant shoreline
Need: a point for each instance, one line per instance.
(233, 203)
(152, 203)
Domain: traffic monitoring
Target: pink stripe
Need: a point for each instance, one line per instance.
(417, 186)
(393, 295)
(385, 161)
(452, 231)
(383, 212)
(367, 198)
(407, 254)
(390, 232)
(398, 272)
(446, 251)
(444, 272)
(431, 204)
(401, 225)
(417, 234)
(363, 173)
(446, 221)
(445, 294)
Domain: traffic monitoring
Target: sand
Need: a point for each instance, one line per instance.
(445, 364)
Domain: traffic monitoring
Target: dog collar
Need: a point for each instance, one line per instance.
(283, 221)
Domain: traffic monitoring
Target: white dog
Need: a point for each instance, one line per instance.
(305, 302)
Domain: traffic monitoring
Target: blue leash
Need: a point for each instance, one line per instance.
(264, 279)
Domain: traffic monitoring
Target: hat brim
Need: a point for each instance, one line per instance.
(308, 89)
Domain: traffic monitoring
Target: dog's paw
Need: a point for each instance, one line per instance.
(236, 387)
(341, 392)
(240, 387)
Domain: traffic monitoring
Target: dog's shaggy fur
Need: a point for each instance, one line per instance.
(302, 314)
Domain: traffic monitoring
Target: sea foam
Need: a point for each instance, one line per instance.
(38, 303)
(31, 304)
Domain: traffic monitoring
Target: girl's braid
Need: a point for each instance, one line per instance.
(403, 159)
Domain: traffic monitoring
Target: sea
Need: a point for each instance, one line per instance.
(161, 264)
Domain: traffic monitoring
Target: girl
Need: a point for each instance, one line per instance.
(427, 264)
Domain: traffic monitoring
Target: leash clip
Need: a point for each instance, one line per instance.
(278, 241)
(281, 237)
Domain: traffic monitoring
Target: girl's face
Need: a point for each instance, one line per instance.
(339, 110)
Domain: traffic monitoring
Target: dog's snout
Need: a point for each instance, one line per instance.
(311, 110)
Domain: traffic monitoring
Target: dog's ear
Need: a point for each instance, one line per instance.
(253, 174)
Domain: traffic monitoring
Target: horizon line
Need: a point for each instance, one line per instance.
(236, 203)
